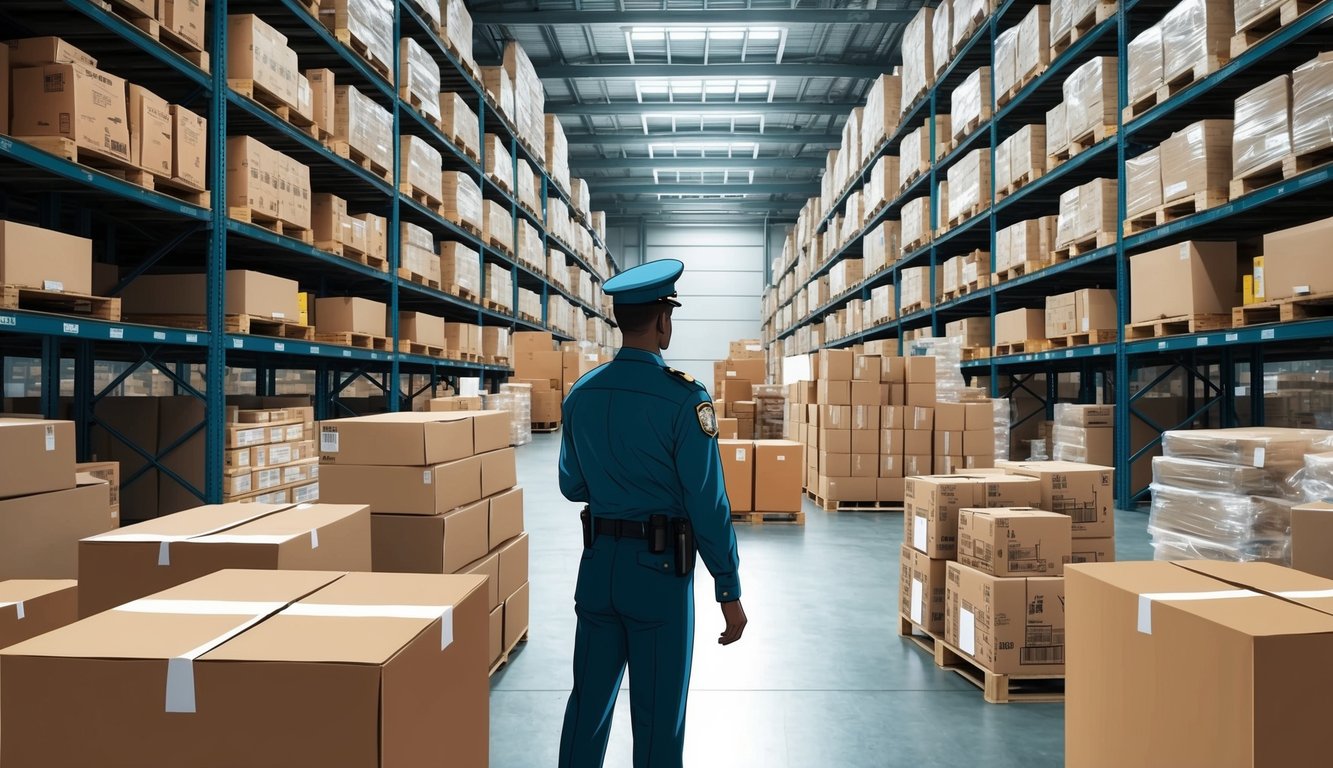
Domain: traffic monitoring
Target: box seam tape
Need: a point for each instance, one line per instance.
(1147, 599)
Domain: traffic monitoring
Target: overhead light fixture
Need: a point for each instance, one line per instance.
(765, 33)
(727, 33)
(647, 33)
(687, 33)
(754, 86)
(659, 87)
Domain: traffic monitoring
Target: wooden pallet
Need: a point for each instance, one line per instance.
(1261, 27)
(1257, 178)
(944, 147)
(348, 152)
(1087, 338)
(1174, 326)
(976, 353)
(530, 318)
(121, 169)
(832, 505)
(998, 688)
(421, 196)
(358, 340)
(463, 293)
(920, 242)
(1284, 310)
(759, 518)
(169, 39)
(265, 98)
(975, 210)
(1140, 222)
(1020, 84)
(1295, 165)
(1081, 27)
(911, 179)
(915, 306)
(1018, 270)
(412, 277)
(982, 281)
(1021, 347)
(245, 324)
(346, 37)
(1083, 245)
(495, 306)
(961, 133)
(1199, 201)
(500, 245)
(1090, 138)
(409, 347)
(1058, 157)
(504, 657)
(353, 254)
(1136, 109)
(545, 427)
(1171, 88)
(17, 297)
(273, 224)
(501, 183)
(1017, 183)
(920, 636)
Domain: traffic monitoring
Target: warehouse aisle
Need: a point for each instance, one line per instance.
(820, 677)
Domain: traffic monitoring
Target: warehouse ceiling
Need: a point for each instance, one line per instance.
(699, 107)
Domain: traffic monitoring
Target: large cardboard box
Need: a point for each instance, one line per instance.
(513, 557)
(488, 566)
(39, 534)
(1007, 625)
(189, 146)
(443, 543)
(921, 589)
(421, 328)
(1312, 538)
(350, 314)
(151, 138)
(33, 257)
(1089, 309)
(404, 490)
(1014, 541)
(31, 607)
(412, 439)
(1084, 492)
(931, 504)
(397, 662)
(37, 456)
(247, 293)
(1020, 325)
(777, 486)
(738, 471)
(40, 51)
(1226, 649)
(258, 52)
(506, 517)
(1189, 278)
(138, 560)
(1295, 261)
(185, 19)
(1197, 158)
(516, 613)
(499, 471)
(75, 101)
(1093, 551)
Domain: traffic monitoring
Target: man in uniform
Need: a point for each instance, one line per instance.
(640, 449)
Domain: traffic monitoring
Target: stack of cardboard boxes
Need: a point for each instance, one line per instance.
(441, 487)
(46, 506)
(1084, 493)
(734, 382)
(550, 373)
(270, 456)
(763, 477)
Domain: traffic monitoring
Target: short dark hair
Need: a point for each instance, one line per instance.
(636, 318)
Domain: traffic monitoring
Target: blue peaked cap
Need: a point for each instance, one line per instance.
(646, 284)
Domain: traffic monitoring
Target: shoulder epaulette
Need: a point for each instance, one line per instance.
(684, 377)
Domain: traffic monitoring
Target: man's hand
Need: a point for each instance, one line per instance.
(734, 615)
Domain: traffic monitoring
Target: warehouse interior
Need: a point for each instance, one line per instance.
(1008, 327)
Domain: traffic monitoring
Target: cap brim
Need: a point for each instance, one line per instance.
(672, 301)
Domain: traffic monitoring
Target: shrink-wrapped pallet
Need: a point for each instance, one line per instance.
(1196, 38)
(969, 185)
(940, 27)
(1145, 63)
(918, 56)
(1196, 159)
(419, 77)
(1090, 96)
(882, 112)
(970, 103)
(1006, 61)
(460, 123)
(364, 125)
(1034, 43)
(460, 268)
(462, 198)
(1143, 182)
(1262, 134)
(1311, 105)
(499, 163)
(421, 165)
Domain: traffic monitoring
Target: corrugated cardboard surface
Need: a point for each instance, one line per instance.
(39, 534)
(31, 607)
(443, 543)
(1188, 278)
(1008, 625)
(404, 490)
(40, 258)
(1014, 541)
(921, 589)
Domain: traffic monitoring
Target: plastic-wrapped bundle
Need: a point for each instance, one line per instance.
(416, 251)
(1214, 477)
(882, 112)
(1197, 158)
(1225, 518)
(421, 165)
(1037, 450)
(939, 32)
(557, 151)
(1090, 96)
(462, 198)
(914, 154)
(458, 27)
(420, 76)
(529, 303)
(948, 354)
(1003, 427)
(1196, 37)
(364, 125)
(460, 122)
(530, 246)
(970, 102)
(918, 56)
(1143, 182)
(497, 223)
(1317, 477)
(500, 285)
(1097, 207)
(967, 177)
(502, 401)
(1281, 452)
(525, 182)
(460, 267)
(1170, 545)
(370, 22)
(499, 164)
(1027, 152)
(1067, 227)
(967, 16)
(1062, 19)
(1033, 50)
(913, 289)
(1311, 104)
(520, 398)
(884, 182)
(529, 98)
(1057, 129)
(1075, 444)
(1262, 134)
(1145, 63)
(916, 221)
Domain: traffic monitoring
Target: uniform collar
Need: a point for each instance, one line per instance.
(639, 356)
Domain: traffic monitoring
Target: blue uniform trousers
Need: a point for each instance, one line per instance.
(631, 607)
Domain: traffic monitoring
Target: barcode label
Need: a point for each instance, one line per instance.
(1083, 514)
(328, 440)
(1048, 654)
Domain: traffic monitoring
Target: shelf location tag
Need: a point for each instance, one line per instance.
(117, 333)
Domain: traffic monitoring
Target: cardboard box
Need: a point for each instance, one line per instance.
(247, 293)
(1014, 541)
(38, 456)
(1312, 538)
(1143, 182)
(516, 613)
(39, 534)
(777, 479)
(421, 328)
(442, 543)
(488, 566)
(33, 607)
(350, 314)
(108, 471)
(75, 101)
(1019, 325)
(931, 504)
(138, 560)
(836, 364)
(361, 650)
(33, 257)
(920, 395)
(1007, 625)
(151, 138)
(1093, 551)
(921, 590)
(497, 633)
(506, 517)
(848, 488)
(258, 52)
(412, 439)
(405, 490)
(738, 468)
(1293, 261)
(184, 19)
(513, 556)
(1189, 278)
(1196, 159)
(499, 471)
(189, 147)
(1090, 309)
(40, 51)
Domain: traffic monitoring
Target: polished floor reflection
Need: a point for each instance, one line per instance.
(820, 678)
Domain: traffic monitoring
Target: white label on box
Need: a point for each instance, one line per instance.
(469, 386)
(328, 440)
(1184, 251)
(50, 437)
(426, 477)
(279, 316)
(116, 333)
(967, 632)
(1085, 325)
(919, 533)
(347, 353)
(916, 600)
(1259, 455)
(1300, 290)
(731, 373)
(781, 457)
(740, 454)
(314, 538)
(53, 285)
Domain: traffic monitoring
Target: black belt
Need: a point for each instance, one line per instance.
(631, 529)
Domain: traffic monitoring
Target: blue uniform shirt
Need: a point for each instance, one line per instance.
(633, 446)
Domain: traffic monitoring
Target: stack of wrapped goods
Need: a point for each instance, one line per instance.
(46, 504)
(419, 79)
(1084, 434)
(367, 25)
(460, 123)
(557, 152)
(265, 185)
(918, 57)
(460, 270)
(363, 129)
(883, 110)
(442, 496)
(770, 411)
(538, 365)
(270, 455)
(516, 400)
(1227, 494)
(529, 98)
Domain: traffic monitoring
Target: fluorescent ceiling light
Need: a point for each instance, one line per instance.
(653, 86)
(727, 33)
(647, 33)
(765, 33)
(721, 86)
(687, 86)
(688, 33)
(754, 86)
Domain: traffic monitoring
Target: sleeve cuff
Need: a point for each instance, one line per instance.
(727, 588)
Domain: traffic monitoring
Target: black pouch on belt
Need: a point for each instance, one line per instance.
(657, 527)
(585, 517)
(683, 535)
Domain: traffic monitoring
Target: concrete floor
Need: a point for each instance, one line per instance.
(820, 677)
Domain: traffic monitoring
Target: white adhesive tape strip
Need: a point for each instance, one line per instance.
(1305, 594)
(201, 607)
(18, 605)
(245, 538)
(1146, 601)
(445, 613)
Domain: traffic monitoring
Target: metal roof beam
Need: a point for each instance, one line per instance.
(737, 70)
(772, 138)
(704, 206)
(693, 163)
(604, 187)
(703, 108)
(884, 13)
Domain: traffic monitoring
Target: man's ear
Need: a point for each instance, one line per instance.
(662, 318)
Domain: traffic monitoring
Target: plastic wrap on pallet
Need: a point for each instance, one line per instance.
(913, 288)
(1057, 129)
(887, 243)
(1311, 105)
(916, 221)
(1143, 182)
(1196, 36)
(364, 125)
(914, 154)
(1027, 153)
(521, 423)
(882, 305)
(1004, 247)
(845, 275)
(1145, 63)
(1246, 11)
(460, 267)
(1003, 427)
(1006, 60)
(941, 201)
(1062, 20)
(457, 26)
(1067, 227)
(369, 21)
(1279, 451)
(530, 245)
(969, 183)
(557, 151)
(500, 285)
(499, 163)
(1262, 134)
(497, 223)
(1197, 158)
(883, 109)
(529, 98)
(1034, 43)
(970, 101)
(967, 17)
(1226, 525)
(462, 197)
(529, 303)
(1170, 545)
(459, 121)
(416, 251)
(1001, 166)
(501, 89)
(1097, 207)
(1216, 477)
(1317, 476)
(526, 182)
(940, 24)
(1090, 96)
(918, 56)
(884, 183)
(258, 52)
(420, 75)
(422, 165)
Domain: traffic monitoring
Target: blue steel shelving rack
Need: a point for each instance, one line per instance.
(147, 231)
(1211, 361)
